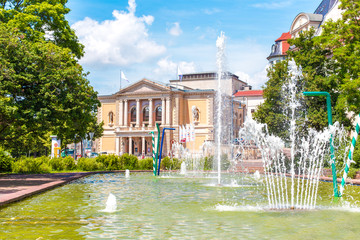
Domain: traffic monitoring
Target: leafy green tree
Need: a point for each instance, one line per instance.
(43, 89)
(272, 110)
(41, 19)
(342, 37)
(317, 69)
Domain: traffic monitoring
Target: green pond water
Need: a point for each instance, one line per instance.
(175, 208)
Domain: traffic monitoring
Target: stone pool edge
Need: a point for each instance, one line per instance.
(54, 180)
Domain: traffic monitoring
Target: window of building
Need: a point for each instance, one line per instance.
(158, 113)
(146, 114)
(133, 114)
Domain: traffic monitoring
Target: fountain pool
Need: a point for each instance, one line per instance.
(175, 208)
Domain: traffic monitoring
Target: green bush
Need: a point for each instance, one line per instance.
(170, 164)
(110, 162)
(130, 161)
(69, 163)
(5, 161)
(31, 165)
(89, 164)
(146, 164)
(208, 163)
(352, 172)
(56, 164)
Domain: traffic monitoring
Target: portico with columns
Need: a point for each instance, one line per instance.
(139, 107)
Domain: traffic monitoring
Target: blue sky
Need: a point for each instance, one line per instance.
(151, 38)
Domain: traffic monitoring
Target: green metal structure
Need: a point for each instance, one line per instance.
(332, 155)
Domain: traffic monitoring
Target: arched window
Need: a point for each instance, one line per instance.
(146, 114)
(111, 117)
(133, 114)
(158, 113)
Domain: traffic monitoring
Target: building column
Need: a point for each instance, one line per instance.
(137, 113)
(163, 111)
(143, 145)
(121, 146)
(126, 114)
(121, 113)
(130, 145)
(150, 113)
(167, 111)
(117, 145)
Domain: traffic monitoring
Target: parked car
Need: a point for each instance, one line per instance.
(93, 155)
(67, 152)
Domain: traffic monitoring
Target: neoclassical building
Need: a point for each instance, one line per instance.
(131, 114)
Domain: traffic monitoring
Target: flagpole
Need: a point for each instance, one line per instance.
(120, 79)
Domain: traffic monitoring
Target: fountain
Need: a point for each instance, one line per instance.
(110, 204)
(175, 207)
(127, 173)
(183, 168)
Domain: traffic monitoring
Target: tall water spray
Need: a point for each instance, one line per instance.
(220, 61)
(307, 153)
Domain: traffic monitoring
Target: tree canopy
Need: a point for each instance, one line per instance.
(329, 62)
(43, 88)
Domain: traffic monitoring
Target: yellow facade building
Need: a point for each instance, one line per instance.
(130, 114)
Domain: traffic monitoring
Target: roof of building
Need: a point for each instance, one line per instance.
(284, 37)
(247, 93)
(325, 6)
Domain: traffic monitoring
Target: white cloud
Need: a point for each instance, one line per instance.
(121, 41)
(168, 69)
(273, 5)
(211, 11)
(175, 30)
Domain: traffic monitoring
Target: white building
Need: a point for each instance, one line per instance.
(251, 99)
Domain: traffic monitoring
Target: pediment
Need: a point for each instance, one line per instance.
(144, 86)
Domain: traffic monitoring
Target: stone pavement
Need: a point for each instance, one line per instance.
(15, 187)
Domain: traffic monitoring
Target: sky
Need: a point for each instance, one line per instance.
(152, 38)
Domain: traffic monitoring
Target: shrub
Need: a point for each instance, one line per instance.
(208, 163)
(5, 161)
(146, 164)
(89, 164)
(110, 162)
(31, 165)
(130, 161)
(170, 164)
(69, 163)
(56, 164)
(352, 173)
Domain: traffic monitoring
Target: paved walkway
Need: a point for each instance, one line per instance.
(15, 187)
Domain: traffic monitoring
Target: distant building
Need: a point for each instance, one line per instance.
(279, 49)
(251, 99)
(130, 114)
(209, 80)
(328, 9)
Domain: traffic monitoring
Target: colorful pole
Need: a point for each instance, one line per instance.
(350, 156)
(153, 153)
(332, 155)
(157, 148)
(162, 142)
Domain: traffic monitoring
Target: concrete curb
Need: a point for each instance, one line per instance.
(16, 187)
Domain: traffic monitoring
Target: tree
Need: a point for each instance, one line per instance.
(41, 19)
(342, 38)
(318, 70)
(271, 111)
(43, 89)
